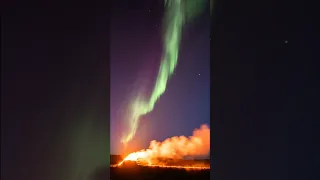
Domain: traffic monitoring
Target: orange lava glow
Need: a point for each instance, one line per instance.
(181, 167)
(169, 166)
(172, 150)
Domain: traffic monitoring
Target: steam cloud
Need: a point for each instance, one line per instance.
(177, 147)
(181, 146)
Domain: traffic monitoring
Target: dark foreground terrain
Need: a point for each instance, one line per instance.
(143, 173)
(131, 171)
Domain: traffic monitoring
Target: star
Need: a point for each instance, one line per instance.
(286, 41)
(149, 10)
(199, 74)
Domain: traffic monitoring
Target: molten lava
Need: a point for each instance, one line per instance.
(169, 153)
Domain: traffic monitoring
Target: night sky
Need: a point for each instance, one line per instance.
(136, 32)
(68, 69)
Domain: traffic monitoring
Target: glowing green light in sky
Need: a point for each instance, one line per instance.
(177, 13)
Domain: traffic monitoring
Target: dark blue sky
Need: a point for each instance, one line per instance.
(136, 47)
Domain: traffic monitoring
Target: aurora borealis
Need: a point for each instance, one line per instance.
(176, 14)
(175, 39)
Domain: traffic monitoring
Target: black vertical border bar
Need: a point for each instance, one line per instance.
(39, 148)
(102, 44)
(103, 15)
(214, 93)
(263, 91)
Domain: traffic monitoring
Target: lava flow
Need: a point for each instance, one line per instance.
(171, 152)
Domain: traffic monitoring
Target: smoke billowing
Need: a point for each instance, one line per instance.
(180, 146)
(177, 147)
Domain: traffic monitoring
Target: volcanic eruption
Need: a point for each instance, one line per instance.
(172, 152)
